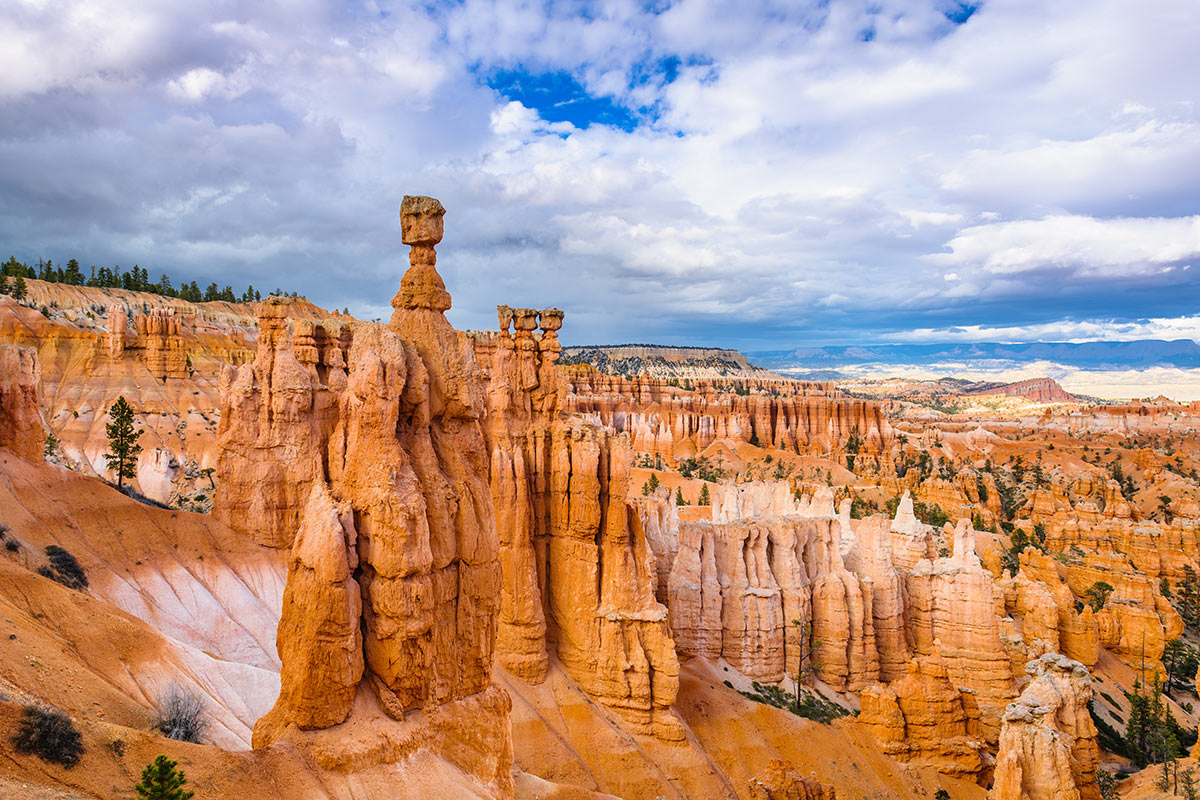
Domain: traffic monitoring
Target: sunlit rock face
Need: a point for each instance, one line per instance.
(1048, 748)
(364, 454)
(924, 718)
(21, 430)
(579, 574)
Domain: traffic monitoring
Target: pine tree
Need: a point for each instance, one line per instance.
(73, 276)
(19, 290)
(1137, 728)
(650, 485)
(679, 501)
(1097, 594)
(1188, 781)
(161, 781)
(1188, 590)
(705, 498)
(122, 441)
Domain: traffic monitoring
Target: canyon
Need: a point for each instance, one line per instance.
(402, 560)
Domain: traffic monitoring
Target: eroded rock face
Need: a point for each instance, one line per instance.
(21, 429)
(952, 606)
(871, 557)
(319, 638)
(1048, 748)
(660, 418)
(579, 574)
(925, 719)
(1137, 621)
(376, 475)
(1047, 607)
(781, 781)
(746, 590)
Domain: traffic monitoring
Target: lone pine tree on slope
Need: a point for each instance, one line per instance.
(161, 781)
(123, 448)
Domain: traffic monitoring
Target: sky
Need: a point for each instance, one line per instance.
(741, 174)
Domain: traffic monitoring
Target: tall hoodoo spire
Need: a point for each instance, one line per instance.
(421, 228)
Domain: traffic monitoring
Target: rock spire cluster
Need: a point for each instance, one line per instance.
(362, 452)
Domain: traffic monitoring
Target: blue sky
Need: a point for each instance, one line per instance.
(755, 175)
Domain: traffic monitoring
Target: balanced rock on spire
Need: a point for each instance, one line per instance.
(421, 227)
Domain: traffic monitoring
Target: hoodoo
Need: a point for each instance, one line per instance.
(361, 450)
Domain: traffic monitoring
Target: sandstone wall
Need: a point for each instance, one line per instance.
(925, 719)
(678, 423)
(952, 607)
(579, 575)
(21, 430)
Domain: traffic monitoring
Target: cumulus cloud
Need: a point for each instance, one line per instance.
(1092, 248)
(782, 173)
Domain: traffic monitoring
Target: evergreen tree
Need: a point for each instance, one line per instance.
(1180, 660)
(1187, 782)
(705, 498)
(853, 443)
(72, 275)
(123, 448)
(679, 501)
(650, 485)
(1164, 508)
(805, 662)
(19, 289)
(161, 781)
(1097, 594)
(1188, 590)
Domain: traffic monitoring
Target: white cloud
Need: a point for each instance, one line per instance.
(1084, 245)
(790, 172)
(1169, 328)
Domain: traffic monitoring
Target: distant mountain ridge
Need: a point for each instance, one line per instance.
(1182, 353)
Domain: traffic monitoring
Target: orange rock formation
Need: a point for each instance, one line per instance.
(21, 429)
(781, 782)
(578, 575)
(662, 418)
(375, 475)
(923, 718)
(1048, 747)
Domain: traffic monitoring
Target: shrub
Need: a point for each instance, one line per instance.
(811, 706)
(50, 735)
(182, 715)
(66, 569)
(12, 545)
